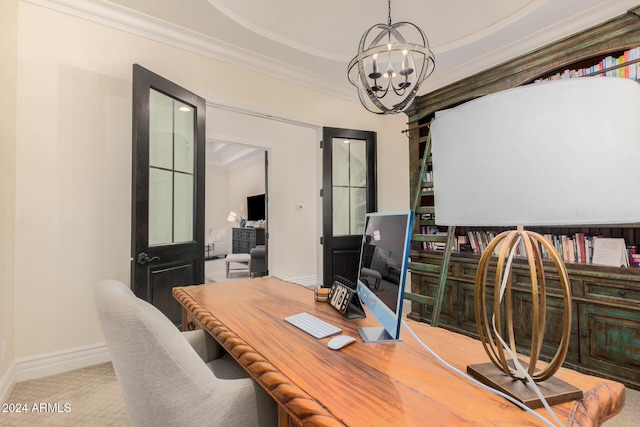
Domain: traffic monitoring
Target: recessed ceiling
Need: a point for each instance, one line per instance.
(331, 29)
(311, 42)
(230, 155)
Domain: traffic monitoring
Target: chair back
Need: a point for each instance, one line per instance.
(162, 378)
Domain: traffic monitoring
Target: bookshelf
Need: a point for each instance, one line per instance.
(606, 300)
(623, 64)
(575, 245)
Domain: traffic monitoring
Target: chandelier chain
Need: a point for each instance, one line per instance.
(389, 9)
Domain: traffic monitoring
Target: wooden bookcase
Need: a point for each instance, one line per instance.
(605, 328)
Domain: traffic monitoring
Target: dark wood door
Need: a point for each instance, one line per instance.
(266, 213)
(349, 192)
(167, 236)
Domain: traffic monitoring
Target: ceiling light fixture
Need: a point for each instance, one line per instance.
(390, 67)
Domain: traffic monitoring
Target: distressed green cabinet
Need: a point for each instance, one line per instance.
(553, 331)
(605, 303)
(610, 341)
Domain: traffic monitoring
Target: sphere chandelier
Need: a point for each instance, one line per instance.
(390, 66)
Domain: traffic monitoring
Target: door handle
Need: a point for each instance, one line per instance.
(143, 258)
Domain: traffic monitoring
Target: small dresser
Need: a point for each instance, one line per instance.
(245, 239)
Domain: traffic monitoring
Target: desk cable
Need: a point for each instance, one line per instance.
(473, 380)
(519, 368)
(518, 365)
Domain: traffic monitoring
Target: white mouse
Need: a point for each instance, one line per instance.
(340, 341)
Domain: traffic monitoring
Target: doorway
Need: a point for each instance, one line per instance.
(294, 177)
(236, 208)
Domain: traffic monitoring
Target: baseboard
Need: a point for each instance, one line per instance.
(309, 282)
(7, 382)
(43, 365)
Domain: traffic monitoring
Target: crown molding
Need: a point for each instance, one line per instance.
(523, 45)
(121, 18)
(118, 17)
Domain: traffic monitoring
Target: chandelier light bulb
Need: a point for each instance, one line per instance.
(391, 73)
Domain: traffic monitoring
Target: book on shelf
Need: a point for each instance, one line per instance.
(462, 244)
(610, 251)
(473, 242)
(438, 246)
(633, 254)
(575, 248)
(430, 230)
(634, 257)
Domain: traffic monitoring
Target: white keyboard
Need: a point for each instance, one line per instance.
(312, 325)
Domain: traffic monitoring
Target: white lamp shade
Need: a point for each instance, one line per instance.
(560, 153)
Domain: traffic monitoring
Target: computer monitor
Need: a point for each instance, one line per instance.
(382, 272)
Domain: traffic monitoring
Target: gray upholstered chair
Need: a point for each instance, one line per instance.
(258, 264)
(165, 381)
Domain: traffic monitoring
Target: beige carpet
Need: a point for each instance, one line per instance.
(84, 397)
(94, 399)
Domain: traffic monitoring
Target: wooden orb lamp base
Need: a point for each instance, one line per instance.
(497, 331)
(554, 390)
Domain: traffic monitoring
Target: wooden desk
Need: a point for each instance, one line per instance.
(373, 384)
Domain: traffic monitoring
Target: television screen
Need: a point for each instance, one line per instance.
(256, 207)
(383, 268)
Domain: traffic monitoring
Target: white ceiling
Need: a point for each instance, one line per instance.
(310, 42)
(230, 155)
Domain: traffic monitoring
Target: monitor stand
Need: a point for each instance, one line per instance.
(376, 334)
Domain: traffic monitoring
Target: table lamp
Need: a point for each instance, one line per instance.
(563, 153)
(233, 217)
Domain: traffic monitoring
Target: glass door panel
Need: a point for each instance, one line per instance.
(183, 208)
(358, 164)
(171, 170)
(349, 184)
(340, 220)
(160, 206)
(160, 134)
(358, 210)
(184, 137)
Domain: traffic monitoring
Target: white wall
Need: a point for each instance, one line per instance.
(8, 89)
(217, 205)
(73, 162)
(245, 181)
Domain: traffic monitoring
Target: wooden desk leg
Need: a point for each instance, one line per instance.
(284, 420)
(187, 321)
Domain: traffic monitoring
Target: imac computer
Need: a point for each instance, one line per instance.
(382, 272)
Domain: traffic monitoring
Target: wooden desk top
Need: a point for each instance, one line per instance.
(366, 384)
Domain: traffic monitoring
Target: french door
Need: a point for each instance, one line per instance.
(349, 191)
(167, 237)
